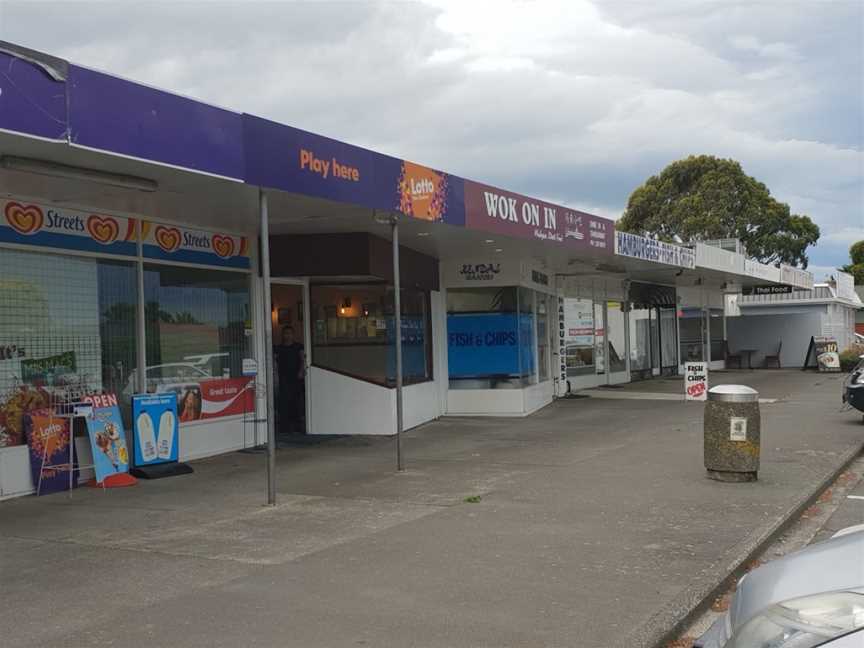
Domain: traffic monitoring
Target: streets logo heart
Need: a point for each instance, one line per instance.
(223, 245)
(104, 230)
(23, 219)
(168, 238)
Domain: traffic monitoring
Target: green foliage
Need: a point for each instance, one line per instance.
(704, 197)
(473, 499)
(850, 357)
(856, 268)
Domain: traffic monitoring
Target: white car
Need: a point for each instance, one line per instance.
(161, 378)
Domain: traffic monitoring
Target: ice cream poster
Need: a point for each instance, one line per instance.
(107, 437)
(156, 428)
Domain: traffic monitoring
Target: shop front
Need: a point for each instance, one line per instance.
(81, 301)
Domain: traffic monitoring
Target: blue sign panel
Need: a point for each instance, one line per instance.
(490, 344)
(156, 428)
(31, 102)
(150, 124)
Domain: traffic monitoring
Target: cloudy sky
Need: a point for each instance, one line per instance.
(573, 101)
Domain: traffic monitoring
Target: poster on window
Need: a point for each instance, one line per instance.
(485, 345)
(48, 442)
(107, 437)
(578, 322)
(215, 398)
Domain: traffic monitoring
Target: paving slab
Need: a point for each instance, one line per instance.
(594, 517)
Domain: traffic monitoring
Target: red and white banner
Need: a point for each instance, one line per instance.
(216, 398)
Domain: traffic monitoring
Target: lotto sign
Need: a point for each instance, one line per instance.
(696, 381)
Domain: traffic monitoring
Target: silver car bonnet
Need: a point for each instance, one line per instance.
(832, 565)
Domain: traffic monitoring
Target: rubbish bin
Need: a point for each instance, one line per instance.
(732, 433)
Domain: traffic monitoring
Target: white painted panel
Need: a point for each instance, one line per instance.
(440, 367)
(343, 405)
(15, 478)
(216, 436)
(420, 404)
(485, 402)
(537, 396)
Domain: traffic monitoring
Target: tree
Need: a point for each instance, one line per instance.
(856, 268)
(703, 197)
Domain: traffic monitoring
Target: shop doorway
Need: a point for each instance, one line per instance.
(290, 322)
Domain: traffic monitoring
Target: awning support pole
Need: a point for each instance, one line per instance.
(397, 325)
(268, 348)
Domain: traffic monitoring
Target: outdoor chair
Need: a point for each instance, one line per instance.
(730, 357)
(774, 358)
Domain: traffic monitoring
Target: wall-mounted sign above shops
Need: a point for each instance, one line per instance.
(494, 210)
(43, 225)
(172, 243)
(646, 249)
(479, 272)
(770, 289)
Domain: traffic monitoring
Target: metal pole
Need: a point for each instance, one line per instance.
(397, 297)
(268, 348)
(141, 349)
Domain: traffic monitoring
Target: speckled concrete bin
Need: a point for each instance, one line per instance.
(732, 433)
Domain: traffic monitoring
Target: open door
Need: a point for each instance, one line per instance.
(290, 321)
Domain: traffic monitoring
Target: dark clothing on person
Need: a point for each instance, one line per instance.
(289, 362)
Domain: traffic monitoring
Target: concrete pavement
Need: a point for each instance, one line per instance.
(595, 524)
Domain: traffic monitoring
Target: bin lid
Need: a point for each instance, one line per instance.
(733, 394)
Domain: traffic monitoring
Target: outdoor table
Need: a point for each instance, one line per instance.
(749, 353)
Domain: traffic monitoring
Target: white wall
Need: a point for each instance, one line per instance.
(763, 332)
(485, 402)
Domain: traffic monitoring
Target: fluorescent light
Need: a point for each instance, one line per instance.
(498, 250)
(490, 240)
(44, 167)
(422, 233)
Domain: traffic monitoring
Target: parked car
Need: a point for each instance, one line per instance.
(853, 387)
(161, 378)
(813, 597)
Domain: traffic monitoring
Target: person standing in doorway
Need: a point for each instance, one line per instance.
(291, 367)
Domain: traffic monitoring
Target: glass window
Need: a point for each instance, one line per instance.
(668, 338)
(490, 337)
(599, 339)
(353, 332)
(691, 327)
(198, 331)
(615, 330)
(579, 336)
(542, 336)
(717, 346)
(640, 339)
(67, 326)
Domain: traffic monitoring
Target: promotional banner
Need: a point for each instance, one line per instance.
(156, 428)
(48, 441)
(695, 381)
(822, 354)
(647, 249)
(494, 210)
(44, 371)
(174, 243)
(209, 399)
(579, 322)
(107, 436)
(70, 229)
(483, 345)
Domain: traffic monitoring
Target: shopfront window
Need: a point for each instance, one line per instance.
(615, 330)
(491, 337)
(668, 338)
(599, 339)
(692, 325)
(67, 327)
(353, 332)
(640, 339)
(198, 331)
(580, 347)
(717, 345)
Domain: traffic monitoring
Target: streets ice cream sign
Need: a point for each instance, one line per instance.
(493, 210)
(43, 225)
(163, 241)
